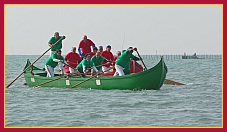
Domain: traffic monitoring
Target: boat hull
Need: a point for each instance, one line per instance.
(152, 78)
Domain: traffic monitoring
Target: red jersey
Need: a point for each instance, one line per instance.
(92, 54)
(135, 67)
(86, 46)
(108, 56)
(115, 58)
(72, 59)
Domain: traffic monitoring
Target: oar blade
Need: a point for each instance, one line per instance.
(171, 82)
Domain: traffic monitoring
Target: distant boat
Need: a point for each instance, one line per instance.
(190, 56)
(152, 78)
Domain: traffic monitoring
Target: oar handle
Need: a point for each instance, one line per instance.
(140, 58)
(72, 68)
(32, 63)
(88, 68)
(99, 65)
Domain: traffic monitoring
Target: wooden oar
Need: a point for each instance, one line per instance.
(61, 76)
(167, 81)
(171, 82)
(140, 58)
(49, 81)
(91, 77)
(32, 63)
(12, 80)
(72, 68)
(54, 79)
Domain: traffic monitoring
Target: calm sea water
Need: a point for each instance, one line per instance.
(198, 103)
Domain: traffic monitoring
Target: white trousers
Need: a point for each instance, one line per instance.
(107, 69)
(50, 71)
(119, 70)
(71, 70)
(93, 71)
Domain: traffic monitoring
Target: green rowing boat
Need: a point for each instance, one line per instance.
(151, 79)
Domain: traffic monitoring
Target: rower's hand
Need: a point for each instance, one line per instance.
(99, 73)
(135, 49)
(139, 59)
(63, 37)
(51, 45)
(61, 72)
(87, 71)
(108, 63)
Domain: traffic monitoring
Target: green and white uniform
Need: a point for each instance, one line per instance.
(83, 65)
(56, 46)
(97, 62)
(122, 65)
(51, 63)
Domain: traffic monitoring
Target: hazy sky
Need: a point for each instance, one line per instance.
(163, 29)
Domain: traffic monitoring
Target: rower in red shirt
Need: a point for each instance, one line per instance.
(85, 46)
(109, 56)
(72, 58)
